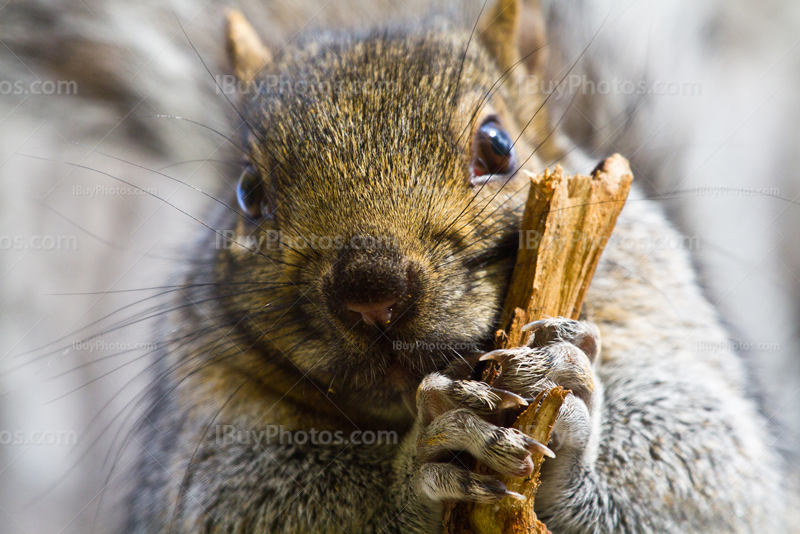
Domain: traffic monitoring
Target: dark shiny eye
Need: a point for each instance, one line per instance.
(251, 194)
(494, 150)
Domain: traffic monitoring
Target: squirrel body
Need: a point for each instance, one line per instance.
(273, 340)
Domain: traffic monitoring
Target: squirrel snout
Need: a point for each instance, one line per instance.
(376, 287)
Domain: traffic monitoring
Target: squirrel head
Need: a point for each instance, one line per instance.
(381, 196)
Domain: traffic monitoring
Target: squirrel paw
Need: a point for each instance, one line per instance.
(559, 352)
(454, 416)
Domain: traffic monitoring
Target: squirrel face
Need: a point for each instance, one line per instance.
(383, 198)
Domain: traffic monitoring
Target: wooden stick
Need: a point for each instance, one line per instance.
(567, 223)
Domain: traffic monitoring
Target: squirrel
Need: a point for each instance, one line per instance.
(360, 280)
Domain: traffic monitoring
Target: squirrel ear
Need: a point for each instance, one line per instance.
(514, 30)
(245, 51)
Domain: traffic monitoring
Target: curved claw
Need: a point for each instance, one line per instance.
(509, 399)
(500, 490)
(534, 446)
(514, 495)
(533, 326)
(499, 356)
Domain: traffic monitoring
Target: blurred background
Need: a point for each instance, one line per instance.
(701, 96)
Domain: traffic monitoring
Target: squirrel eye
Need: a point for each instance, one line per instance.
(494, 150)
(251, 194)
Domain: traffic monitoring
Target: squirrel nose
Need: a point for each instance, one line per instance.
(372, 286)
(374, 314)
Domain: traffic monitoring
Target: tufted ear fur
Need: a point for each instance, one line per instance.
(245, 51)
(512, 30)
